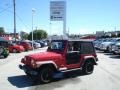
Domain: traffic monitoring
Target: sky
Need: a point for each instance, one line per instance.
(82, 16)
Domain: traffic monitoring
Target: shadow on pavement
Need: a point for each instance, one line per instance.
(108, 54)
(115, 57)
(97, 51)
(24, 81)
(20, 81)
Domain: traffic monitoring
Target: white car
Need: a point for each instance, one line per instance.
(116, 48)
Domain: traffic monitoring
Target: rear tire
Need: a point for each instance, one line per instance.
(88, 67)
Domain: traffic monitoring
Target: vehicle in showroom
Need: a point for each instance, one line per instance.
(13, 48)
(62, 56)
(3, 52)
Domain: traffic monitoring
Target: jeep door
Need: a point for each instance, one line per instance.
(72, 57)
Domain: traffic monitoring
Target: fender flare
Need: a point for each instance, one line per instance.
(39, 64)
(88, 58)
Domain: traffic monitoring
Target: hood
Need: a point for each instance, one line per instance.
(45, 56)
(107, 43)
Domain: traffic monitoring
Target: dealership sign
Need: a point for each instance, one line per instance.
(57, 10)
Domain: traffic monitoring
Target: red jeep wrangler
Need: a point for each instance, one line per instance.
(61, 56)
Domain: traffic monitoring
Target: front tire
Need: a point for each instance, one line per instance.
(88, 67)
(46, 75)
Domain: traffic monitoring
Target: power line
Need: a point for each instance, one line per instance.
(22, 22)
(20, 19)
(5, 9)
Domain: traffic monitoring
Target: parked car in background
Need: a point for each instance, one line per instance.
(13, 48)
(45, 42)
(4, 52)
(25, 44)
(106, 46)
(116, 48)
(112, 45)
(35, 44)
(41, 43)
(98, 42)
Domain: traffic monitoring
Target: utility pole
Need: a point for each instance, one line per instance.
(33, 12)
(14, 4)
(36, 33)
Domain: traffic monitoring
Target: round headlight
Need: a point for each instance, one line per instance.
(32, 61)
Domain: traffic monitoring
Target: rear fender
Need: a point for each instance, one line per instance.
(89, 58)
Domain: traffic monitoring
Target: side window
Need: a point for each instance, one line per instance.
(73, 46)
(70, 47)
(87, 48)
(76, 46)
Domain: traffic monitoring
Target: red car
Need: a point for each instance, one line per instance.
(25, 44)
(14, 48)
(62, 56)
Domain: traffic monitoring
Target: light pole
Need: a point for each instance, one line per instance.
(14, 4)
(50, 31)
(33, 11)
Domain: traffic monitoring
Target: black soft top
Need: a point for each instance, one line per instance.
(75, 40)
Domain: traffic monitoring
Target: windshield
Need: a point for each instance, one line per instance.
(57, 46)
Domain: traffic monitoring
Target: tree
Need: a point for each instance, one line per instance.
(23, 35)
(37, 35)
(113, 36)
(2, 31)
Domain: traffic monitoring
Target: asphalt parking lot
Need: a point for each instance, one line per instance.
(106, 75)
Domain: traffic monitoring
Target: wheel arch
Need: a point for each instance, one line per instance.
(89, 58)
(51, 64)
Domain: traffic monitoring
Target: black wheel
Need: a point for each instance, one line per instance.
(88, 67)
(46, 75)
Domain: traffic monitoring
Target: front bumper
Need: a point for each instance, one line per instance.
(28, 70)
